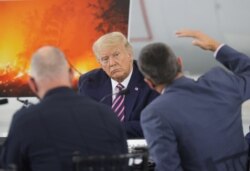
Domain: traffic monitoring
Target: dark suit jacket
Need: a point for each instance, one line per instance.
(195, 123)
(43, 137)
(96, 84)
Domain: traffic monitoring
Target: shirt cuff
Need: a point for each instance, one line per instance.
(217, 50)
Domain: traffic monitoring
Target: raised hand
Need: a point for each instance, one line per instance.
(200, 39)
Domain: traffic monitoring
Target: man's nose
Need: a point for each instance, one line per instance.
(111, 61)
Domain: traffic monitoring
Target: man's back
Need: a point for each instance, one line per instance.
(196, 123)
(204, 133)
(45, 136)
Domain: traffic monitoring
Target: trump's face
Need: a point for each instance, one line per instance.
(116, 61)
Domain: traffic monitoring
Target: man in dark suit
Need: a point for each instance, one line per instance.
(44, 136)
(114, 53)
(194, 124)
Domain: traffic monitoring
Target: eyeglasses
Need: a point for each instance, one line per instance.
(106, 59)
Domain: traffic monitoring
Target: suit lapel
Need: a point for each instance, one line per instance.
(130, 100)
(100, 87)
(106, 91)
(134, 88)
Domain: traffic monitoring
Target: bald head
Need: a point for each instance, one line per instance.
(48, 63)
(49, 68)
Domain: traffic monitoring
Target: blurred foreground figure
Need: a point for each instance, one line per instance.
(44, 137)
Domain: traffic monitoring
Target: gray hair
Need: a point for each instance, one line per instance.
(110, 40)
(48, 63)
(158, 62)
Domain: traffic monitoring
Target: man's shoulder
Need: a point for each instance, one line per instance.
(93, 75)
(94, 72)
(137, 76)
(25, 115)
(161, 102)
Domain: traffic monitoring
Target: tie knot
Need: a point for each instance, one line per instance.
(119, 86)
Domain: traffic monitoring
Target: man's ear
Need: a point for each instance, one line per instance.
(149, 83)
(180, 62)
(71, 75)
(130, 55)
(32, 85)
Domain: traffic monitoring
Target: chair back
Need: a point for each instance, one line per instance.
(123, 162)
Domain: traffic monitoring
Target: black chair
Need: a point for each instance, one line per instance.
(123, 162)
(235, 162)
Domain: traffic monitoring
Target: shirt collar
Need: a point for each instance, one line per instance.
(124, 82)
(163, 90)
(177, 82)
(57, 90)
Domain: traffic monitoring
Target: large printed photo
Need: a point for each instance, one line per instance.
(71, 25)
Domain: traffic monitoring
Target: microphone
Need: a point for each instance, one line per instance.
(26, 103)
(3, 101)
(122, 92)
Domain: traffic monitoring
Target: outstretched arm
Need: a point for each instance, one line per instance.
(233, 60)
(200, 39)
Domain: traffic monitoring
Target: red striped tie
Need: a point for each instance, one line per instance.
(118, 103)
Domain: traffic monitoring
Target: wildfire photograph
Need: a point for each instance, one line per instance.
(71, 25)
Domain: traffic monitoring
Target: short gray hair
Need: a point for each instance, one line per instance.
(49, 63)
(110, 40)
(158, 62)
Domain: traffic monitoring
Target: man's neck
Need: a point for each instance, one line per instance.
(43, 91)
(180, 74)
(160, 88)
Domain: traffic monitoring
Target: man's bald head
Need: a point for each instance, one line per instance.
(49, 69)
(48, 63)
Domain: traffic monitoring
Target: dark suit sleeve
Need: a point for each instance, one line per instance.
(239, 64)
(11, 152)
(161, 140)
